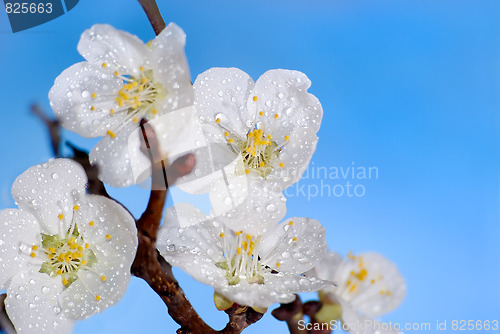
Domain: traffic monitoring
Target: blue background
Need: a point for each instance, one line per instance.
(410, 87)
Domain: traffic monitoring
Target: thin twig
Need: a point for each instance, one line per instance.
(153, 13)
(54, 128)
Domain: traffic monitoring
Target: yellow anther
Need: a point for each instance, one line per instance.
(269, 137)
(111, 134)
(290, 223)
(255, 98)
(262, 164)
(91, 223)
(282, 165)
(217, 120)
(381, 292)
(247, 171)
(84, 262)
(248, 237)
(94, 95)
(287, 138)
(141, 68)
(239, 232)
(144, 80)
(154, 111)
(135, 120)
(222, 235)
(104, 65)
(76, 207)
(52, 250)
(33, 254)
(60, 216)
(226, 134)
(72, 240)
(80, 248)
(352, 273)
(117, 73)
(372, 281)
(388, 293)
(59, 272)
(34, 247)
(244, 244)
(67, 258)
(98, 297)
(111, 111)
(230, 140)
(108, 237)
(65, 281)
(276, 116)
(238, 250)
(352, 287)
(261, 113)
(103, 278)
(294, 239)
(278, 264)
(86, 246)
(92, 108)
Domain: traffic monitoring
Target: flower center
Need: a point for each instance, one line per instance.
(66, 256)
(259, 151)
(362, 281)
(241, 260)
(137, 97)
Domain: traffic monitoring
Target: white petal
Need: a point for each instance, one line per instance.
(223, 93)
(284, 92)
(359, 324)
(19, 231)
(48, 190)
(327, 267)
(195, 249)
(247, 204)
(115, 255)
(367, 298)
(114, 155)
(33, 307)
(73, 103)
(298, 244)
(170, 67)
(201, 239)
(277, 288)
(295, 156)
(104, 44)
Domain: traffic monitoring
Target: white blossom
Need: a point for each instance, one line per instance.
(64, 254)
(367, 286)
(122, 82)
(271, 124)
(252, 270)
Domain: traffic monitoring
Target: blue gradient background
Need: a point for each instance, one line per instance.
(410, 87)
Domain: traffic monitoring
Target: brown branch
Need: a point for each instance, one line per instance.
(153, 13)
(291, 313)
(54, 128)
(94, 185)
(153, 268)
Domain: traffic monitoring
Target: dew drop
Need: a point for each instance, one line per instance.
(85, 94)
(45, 289)
(171, 248)
(271, 208)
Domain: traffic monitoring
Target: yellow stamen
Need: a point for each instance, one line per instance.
(33, 254)
(76, 207)
(141, 68)
(287, 137)
(60, 216)
(111, 134)
(91, 223)
(217, 120)
(278, 264)
(230, 140)
(222, 235)
(92, 108)
(255, 98)
(84, 262)
(239, 232)
(294, 239)
(111, 111)
(276, 116)
(94, 95)
(247, 171)
(59, 272)
(238, 250)
(282, 165)
(98, 297)
(64, 281)
(108, 237)
(290, 223)
(226, 134)
(261, 113)
(34, 247)
(103, 278)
